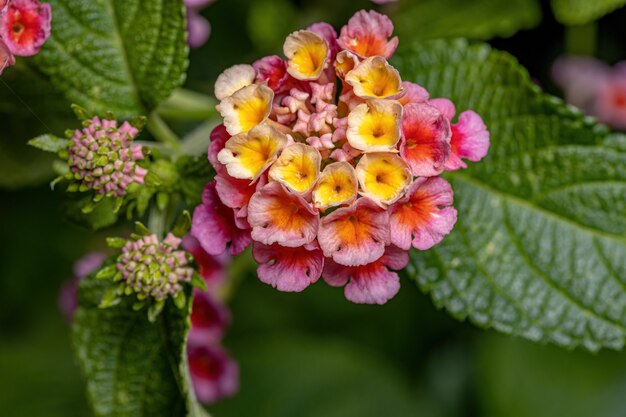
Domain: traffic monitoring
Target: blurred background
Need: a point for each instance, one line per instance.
(308, 354)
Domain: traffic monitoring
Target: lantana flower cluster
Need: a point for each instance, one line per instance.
(102, 158)
(24, 28)
(328, 163)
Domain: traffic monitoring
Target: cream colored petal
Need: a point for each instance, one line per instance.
(345, 62)
(248, 155)
(247, 108)
(375, 78)
(306, 53)
(337, 185)
(383, 177)
(297, 167)
(234, 79)
(375, 126)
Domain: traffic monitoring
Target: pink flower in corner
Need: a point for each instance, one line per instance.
(470, 137)
(288, 269)
(373, 283)
(6, 57)
(367, 34)
(214, 373)
(424, 216)
(25, 26)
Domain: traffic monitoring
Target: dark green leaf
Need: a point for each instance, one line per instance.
(133, 367)
(478, 19)
(103, 214)
(579, 12)
(124, 56)
(539, 249)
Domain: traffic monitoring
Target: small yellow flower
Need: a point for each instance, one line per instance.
(307, 54)
(246, 108)
(383, 177)
(297, 168)
(375, 78)
(337, 185)
(247, 155)
(375, 126)
(234, 79)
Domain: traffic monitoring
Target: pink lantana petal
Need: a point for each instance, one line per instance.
(198, 29)
(426, 139)
(424, 216)
(219, 137)
(273, 70)
(610, 105)
(209, 319)
(367, 34)
(25, 26)
(211, 267)
(214, 374)
(288, 269)
(213, 224)
(373, 283)
(355, 235)
(470, 140)
(6, 57)
(278, 216)
(414, 93)
(445, 106)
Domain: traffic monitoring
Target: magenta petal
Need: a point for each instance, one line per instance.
(278, 216)
(424, 215)
(198, 28)
(209, 319)
(213, 373)
(213, 224)
(470, 140)
(211, 268)
(413, 93)
(288, 269)
(445, 106)
(219, 137)
(6, 57)
(273, 70)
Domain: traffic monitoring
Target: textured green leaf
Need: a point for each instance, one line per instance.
(539, 249)
(478, 19)
(132, 367)
(124, 56)
(48, 143)
(579, 12)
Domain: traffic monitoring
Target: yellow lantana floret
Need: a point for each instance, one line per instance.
(306, 53)
(297, 168)
(345, 62)
(383, 177)
(337, 185)
(375, 126)
(246, 108)
(375, 78)
(247, 155)
(234, 79)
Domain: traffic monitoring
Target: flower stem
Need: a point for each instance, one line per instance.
(187, 105)
(581, 40)
(162, 132)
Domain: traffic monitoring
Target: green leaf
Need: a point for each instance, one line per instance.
(133, 367)
(102, 215)
(479, 19)
(48, 143)
(123, 56)
(580, 12)
(539, 248)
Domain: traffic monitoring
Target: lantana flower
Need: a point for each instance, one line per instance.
(593, 86)
(24, 28)
(329, 163)
(198, 28)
